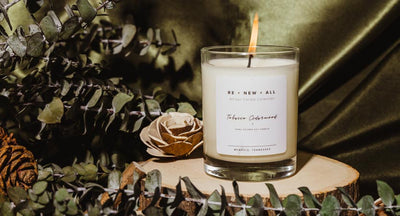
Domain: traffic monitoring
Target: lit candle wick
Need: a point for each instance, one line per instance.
(253, 39)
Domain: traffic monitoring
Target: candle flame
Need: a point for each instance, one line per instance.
(254, 34)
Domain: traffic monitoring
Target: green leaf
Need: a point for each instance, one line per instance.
(178, 195)
(309, 198)
(273, 196)
(72, 208)
(152, 210)
(65, 87)
(170, 110)
(6, 209)
(238, 198)
(185, 107)
(138, 124)
(69, 28)
(257, 205)
(18, 46)
(153, 106)
(69, 174)
(39, 187)
(35, 45)
(17, 194)
(153, 181)
(61, 195)
(366, 204)
(293, 205)
(90, 172)
(385, 193)
(120, 100)
(193, 191)
(241, 213)
(86, 10)
(53, 112)
(215, 197)
(45, 174)
(128, 33)
(26, 212)
(114, 179)
(95, 98)
(347, 198)
(44, 198)
(204, 208)
(32, 195)
(330, 206)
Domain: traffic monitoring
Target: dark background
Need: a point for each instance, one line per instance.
(349, 96)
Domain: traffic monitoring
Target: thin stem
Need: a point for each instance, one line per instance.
(103, 5)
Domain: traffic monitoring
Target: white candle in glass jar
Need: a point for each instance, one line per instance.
(250, 114)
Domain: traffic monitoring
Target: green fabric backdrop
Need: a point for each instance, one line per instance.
(349, 96)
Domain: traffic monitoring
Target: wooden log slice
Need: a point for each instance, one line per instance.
(320, 174)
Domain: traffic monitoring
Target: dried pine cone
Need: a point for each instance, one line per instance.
(18, 167)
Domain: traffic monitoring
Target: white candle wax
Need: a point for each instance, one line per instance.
(250, 114)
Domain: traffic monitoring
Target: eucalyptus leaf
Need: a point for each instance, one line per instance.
(138, 124)
(95, 98)
(293, 205)
(214, 197)
(204, 208)
(69, 174)
(309, 198)
(257, 205)
(193, 191)
(39, 187)
(273, 196)
(86, 10)
(114, 179)
(34, 28)
(32, 196)
(152, 210)
(17, 194)
(4, 14)
(128, 33)
(120, 100)
(49, 28)
(44, 198)
(242, 212)
(35, 45)
(186, 107)
(239, 199)
(72, 208)
(178, 194)
(65, 87)
(153, 181)
(385, 192)
(153, 106)
(17, 46)
(6, 209)
(69, 28)
(366, 203)
(90, 172)
(53, 112)
(330, 206)
(346, 198)
(61, 195)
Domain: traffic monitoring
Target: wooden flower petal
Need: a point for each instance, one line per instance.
(195, 138)
(157, 141)
(171, 138)
(178, 148)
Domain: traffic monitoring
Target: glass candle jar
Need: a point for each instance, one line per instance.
(250, 111)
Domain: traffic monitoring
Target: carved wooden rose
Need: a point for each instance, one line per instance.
(172, 135)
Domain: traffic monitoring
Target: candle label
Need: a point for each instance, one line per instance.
(251, 113)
